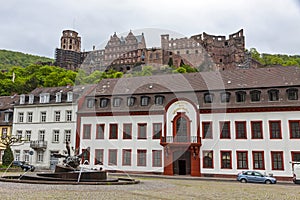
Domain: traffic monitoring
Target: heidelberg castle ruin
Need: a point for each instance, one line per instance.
(204, 52)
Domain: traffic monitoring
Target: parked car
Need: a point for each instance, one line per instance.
(24, 166)
(255, 177)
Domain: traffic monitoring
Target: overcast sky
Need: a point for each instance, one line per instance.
(35, 26)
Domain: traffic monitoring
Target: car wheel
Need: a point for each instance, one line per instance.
(268, 182)
(243, 180)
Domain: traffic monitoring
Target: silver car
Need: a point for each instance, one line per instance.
(255, 177)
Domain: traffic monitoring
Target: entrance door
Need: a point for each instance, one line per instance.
(182, 167)
(182, 162)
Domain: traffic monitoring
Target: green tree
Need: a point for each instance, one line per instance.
(7, 157)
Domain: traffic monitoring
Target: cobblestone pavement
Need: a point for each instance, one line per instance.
(152, 188)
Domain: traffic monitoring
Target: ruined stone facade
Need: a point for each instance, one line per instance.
(203, 51)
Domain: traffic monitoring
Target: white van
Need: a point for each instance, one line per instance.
(296, 172)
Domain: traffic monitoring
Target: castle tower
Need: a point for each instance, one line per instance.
(70, 41)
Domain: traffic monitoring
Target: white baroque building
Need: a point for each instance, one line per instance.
(45, 119)
(202, 124)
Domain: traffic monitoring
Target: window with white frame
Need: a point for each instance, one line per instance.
(41, 135)
(43, 116)
(28, 135)
(6, 117)
(67, 136)
(31, 99)
(69, 115)
(44, 98)
(58, 97)
(29, 116)
(55, 137)
(4, 133)
(17, 155)
(22, 98)
(20, 117)
(40, 156)
(19, 134)
(70, 96)
(57, 116)
(26, 155)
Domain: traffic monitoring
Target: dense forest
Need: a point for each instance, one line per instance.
(9, 59)
(22, 73)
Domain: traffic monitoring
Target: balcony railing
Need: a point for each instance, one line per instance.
(38, 144)
(181, 139)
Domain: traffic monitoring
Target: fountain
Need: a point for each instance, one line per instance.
(70, 172)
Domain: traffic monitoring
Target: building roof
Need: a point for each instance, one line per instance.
(7, 102)
(202, 81)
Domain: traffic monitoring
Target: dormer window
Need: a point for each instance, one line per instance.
(208, 98)
(255, 95)
(240, 96)
(225, 97)
(273, 95)
(90, 103)
(22, 98)
(44, 98)
(58, 97)
(31, 99)
(130, 101)
(145, 100)
(70, 96)
(292, 94)
(103, 102)
(117, 102)
(159, 100)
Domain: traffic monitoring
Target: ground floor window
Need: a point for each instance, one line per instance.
(17, 155)
(99, 156)
(277, 160)
(126, 160)
(112, 157)
(26, 155)
(242, 159)
(208, 159)
(258, 160)
(226, 159)
(156, 158)
(141, 157)
(40, 156)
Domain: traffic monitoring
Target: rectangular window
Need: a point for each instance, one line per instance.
(17, 155)
(208, 159)
(69, 115)
(258, 160)
(117, 102)
(141, 157)
(19, 134)
(41, 135)
(295, 156)
(225, 130)
(142, 131)
(240, 130)
(67, 136)
(44, 98)
(156, 158)
(145, 101)
(207, 130)
(70, 96)
(6, 117)
(85, 159)
(242, 159)
(28, 135)
(157, 130)
(29, 116)
(58, 97)
(112, 157)
(100, 131)
(40, 156)
(98, 156)
(277, 160)
(226, 160)
(86, 131)
(90, 103)
(20, 117)
(126, 159)
(26, 155)
(294, 129)
(127, 131)
(57, 116)
(55, 137)
(43, 116)
(113, 131)
(256, 130)
(4, 133)
(275, 129)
